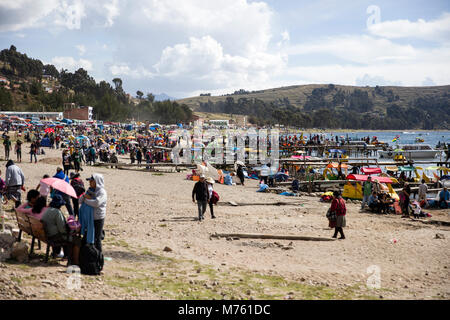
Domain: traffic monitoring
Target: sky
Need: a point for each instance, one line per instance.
(187, 47)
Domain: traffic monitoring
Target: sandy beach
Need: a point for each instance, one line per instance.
(150, 211)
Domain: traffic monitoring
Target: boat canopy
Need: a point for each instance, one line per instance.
(409, 168)
(336, 165)
(371, 170)
(359, 177)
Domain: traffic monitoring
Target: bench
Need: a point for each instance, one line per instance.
(35, 228)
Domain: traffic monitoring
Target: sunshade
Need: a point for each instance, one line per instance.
(359, 177)
(392, 168)
(60, 185)
(371, 170)
(48, 130)
(336, 165)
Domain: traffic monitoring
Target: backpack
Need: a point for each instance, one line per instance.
(215, 197)
(91, 260)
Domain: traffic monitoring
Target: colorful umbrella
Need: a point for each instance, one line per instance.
(48, 130)
(60, 185)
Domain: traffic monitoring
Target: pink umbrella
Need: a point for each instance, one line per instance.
(60, 185)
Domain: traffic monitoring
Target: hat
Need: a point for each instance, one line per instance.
(90, 178)
(202, 176)
(210, 180)
(74, 175)
(57, 201)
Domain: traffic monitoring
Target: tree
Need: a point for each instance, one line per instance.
(51, 70)
(150, 97)
(139, 94)
(117, 83)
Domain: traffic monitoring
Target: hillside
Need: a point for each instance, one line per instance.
(26, 84)
(336, 106)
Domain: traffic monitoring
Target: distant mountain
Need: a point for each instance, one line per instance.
(335, 106)
(163, 97)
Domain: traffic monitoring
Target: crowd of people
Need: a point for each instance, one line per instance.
(86, 211)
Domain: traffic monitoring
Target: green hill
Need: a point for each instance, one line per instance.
(336, 106)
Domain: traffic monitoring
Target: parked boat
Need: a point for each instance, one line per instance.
(411, 152)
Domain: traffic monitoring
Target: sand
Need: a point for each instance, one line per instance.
(148, 212)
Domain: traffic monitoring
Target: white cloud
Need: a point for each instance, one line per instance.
(240, 25)
(112, 11)
(69, 15)
(204, 59)
(122, 69)
(357, 49)
(434, 30)
(81, 49)
(71, 64)
(20, 14)
(370, 80)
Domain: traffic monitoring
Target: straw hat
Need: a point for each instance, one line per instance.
(210, 180)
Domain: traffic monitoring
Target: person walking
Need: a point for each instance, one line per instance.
(18, 148)
(339, 208)
(210, 183)
(33, 152)
(7, 144)
(139, 156)
(96, 197)
(76, 158)
(406, 201)
(14, 181)
(367, 191)
(201, 194)
(66, 160)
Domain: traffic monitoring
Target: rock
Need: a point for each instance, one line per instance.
(287, 248)
(20, 252)
(439, 236)
(167, 249)
(6, 244)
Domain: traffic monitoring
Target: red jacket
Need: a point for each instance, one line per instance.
(338, 206)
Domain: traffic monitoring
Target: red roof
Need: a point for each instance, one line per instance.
(360, 177)
(371, 170)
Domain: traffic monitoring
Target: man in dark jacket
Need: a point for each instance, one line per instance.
(201, 194)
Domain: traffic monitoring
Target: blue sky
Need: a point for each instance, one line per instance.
(183, 47)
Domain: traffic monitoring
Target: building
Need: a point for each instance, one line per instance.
(219, 123)
(34, 115)
(79, 113)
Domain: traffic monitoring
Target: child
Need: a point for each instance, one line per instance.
(416, 210)
(44, 188)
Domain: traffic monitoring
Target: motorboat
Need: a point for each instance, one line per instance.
(411, 152)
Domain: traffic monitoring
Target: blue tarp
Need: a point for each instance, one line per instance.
(45, 142)
(336, 150)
